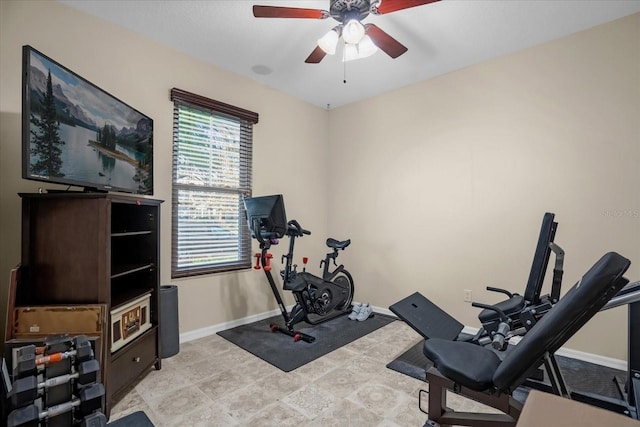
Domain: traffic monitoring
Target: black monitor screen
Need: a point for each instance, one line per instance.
(267, 214)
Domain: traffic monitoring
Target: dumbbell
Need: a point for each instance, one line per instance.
(97, 419)
(26, 390)
(52, 344)
(57, 343)
(89, 400)
(28, 361)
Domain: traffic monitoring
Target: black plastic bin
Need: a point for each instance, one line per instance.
(169, 324)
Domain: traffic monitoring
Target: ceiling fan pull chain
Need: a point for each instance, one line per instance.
(344, 72)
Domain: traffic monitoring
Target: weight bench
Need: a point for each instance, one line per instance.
(478, 373)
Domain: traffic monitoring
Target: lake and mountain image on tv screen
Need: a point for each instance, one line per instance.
(81, 135)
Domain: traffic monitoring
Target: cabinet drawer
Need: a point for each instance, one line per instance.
(132, 361)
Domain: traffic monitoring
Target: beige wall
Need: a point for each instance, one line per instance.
(444, 197)
(141, 73)
(449, 179)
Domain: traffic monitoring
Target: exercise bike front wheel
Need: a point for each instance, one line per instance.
(344, 281)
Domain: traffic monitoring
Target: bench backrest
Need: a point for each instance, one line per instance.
(540, 259)
(580, 303)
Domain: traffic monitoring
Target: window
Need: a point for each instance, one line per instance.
(211, 177)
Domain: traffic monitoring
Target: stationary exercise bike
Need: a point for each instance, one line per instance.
(318, 299)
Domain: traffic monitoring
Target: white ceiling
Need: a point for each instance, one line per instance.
(441, 37)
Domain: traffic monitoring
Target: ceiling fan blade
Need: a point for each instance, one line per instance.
(384, 41)
(388, 6)
(316, 56)
(288, 12)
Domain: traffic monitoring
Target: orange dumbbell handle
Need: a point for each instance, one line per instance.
(55, 357)
(51, 358)
(257, 266)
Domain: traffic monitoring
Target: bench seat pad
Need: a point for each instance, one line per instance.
(467, 364)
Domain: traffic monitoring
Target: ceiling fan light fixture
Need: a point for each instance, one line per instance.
(329, 41)
(349, 53)
(364, 49)
(353, 32)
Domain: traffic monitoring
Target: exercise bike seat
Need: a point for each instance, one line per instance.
(338, 244)
(510, 307)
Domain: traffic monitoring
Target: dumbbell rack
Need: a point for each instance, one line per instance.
(56, 384)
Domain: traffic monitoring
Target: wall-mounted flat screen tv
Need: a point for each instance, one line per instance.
(76, 134)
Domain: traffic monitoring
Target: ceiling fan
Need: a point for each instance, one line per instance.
(361, 40)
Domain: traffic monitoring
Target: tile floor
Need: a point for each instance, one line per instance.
(212, 382)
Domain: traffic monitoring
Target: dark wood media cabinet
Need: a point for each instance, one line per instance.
(97, 248)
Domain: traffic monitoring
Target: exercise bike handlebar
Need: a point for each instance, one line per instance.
(294, 229)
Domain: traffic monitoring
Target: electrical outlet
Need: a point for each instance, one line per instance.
(467, 295)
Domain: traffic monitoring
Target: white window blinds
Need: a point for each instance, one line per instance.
(212, 146)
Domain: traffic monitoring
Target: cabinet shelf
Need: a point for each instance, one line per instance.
(98, 248)
(122, 298)
(123, 270)
(131, 233)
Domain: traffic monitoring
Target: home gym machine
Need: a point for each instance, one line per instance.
(479, 373)
(504, 320)
(318, 299)
(432, 322)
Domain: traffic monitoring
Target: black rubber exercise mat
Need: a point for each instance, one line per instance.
(412, 363)
(282, 352)
(135, 419)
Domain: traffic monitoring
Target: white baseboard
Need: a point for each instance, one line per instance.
(593, 358)
(566, 352)
(383, 310)
(212, 330)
